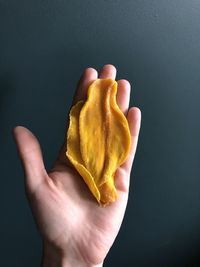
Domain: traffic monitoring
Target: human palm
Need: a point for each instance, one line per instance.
(72, 224)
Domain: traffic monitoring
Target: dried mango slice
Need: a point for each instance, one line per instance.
(98, 139)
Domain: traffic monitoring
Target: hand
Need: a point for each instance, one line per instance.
(75, 230)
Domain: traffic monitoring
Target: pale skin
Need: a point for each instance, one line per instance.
(75, 230)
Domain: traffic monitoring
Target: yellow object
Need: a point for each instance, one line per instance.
(98, 139)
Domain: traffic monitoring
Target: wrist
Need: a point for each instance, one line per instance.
(53, 257)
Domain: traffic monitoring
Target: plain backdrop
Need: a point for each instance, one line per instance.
(155, 44)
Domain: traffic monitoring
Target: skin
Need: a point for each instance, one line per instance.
(75, 230)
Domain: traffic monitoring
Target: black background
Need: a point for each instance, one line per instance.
(44, 47)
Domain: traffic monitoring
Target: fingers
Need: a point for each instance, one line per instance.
(134, 121)
(108, 71)
(122, 175)
(123, 95)
(123, 90)
(88, 76)
(31, 157)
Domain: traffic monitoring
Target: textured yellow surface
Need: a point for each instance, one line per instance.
(98, 139)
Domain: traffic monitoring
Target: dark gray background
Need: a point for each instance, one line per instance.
(155, 44)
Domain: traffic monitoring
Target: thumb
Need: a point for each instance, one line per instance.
(31, 157)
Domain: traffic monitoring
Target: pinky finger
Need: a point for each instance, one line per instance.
(134, 121)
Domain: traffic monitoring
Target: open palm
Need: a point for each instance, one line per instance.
(75, 230)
